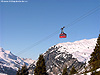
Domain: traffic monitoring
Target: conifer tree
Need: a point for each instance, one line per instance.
(85, 74)
(73, 71)
(40, 66)
(65, 71)
(95, 56)
(23, 71)
(18, 72)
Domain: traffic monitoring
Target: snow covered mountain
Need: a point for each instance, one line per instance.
(70, 54)
(9, 63)
(79, 49)
(56, 57)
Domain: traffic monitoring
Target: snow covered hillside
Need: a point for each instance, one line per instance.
(79, 49)
(70, 54)
(56, 57)
(9, 62)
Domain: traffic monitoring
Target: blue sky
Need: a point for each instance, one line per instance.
(24, 24)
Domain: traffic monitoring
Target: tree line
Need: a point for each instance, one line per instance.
(40, 68)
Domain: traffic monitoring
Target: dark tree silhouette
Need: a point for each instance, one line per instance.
(40, 66)
(73, 71)
(23, 71)
(65, 71)
(95, 56)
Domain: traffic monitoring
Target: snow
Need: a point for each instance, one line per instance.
(89, 73)
(79, 49)
(48, 70)
(57, 56)
(51, 51)
(98, 69)
(2, 74)
(10, 60)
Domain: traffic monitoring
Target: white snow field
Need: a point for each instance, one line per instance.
(79, 49)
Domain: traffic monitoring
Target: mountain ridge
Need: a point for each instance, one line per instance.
(10, 62)
(56, 57)
(82, 46)
(71, 54)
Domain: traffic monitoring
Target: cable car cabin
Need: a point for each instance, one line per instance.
(62, 35)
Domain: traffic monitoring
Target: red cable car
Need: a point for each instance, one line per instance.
(62, 35)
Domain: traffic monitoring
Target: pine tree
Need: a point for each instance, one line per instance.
(65, 71)
(23, 71)
(85, 68)
(73, 71)
(40, 66)
(18, 72)
(85, 74)
(95, 56)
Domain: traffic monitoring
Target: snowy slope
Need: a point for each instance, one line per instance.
(79, 49)
(89, 73)
(60, 53)
(69, 53)
(7, 59)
